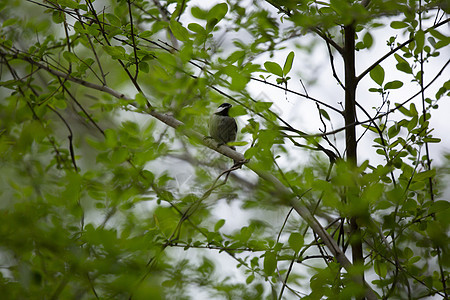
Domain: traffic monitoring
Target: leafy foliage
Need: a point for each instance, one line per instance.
(108, 189)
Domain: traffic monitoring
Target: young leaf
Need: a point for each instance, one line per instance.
(413, 109)
(238, 80)
(237, 110)
(239, 144)
(197, 28)
(380, 268)
(270, 262)
(211, 24)
(218, 11)
(324, 114)
(420, 41)
(116, 52)
(288, 63)
(393, 130)
(403, 110)
(199, 13)
(371, 128)
(398, 25)
(425, 175)
(402, 65)
(296, 241)
(439, 206)
(250, 279)
(274, 68)
(392, 85)
(219, 224)
(70, 57)
(262, 106)
(368, 40)
(143, 66)
(179, 31)
(377, 74)
(432, 140)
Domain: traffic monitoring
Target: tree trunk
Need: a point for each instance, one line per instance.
(350, 133)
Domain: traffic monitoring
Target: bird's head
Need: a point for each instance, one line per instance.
(223, 109)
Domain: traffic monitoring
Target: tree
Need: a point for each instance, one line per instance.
(104, 113)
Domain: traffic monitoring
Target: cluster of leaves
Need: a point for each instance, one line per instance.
(91, 201)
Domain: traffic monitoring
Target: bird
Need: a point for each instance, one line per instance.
(222, 127)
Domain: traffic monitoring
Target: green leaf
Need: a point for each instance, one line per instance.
(119, 155)
(262, 106)
(402, 64)
(377, 74)
(145, 34)
(274, 68)
(420, 41)
(179, 32)
(239, 144)
(199, 13)
(219, 224)
(431, 140)
(413, 109)
(250, 279)
(211, 24)
(237, 110)
(393, 130)
(218, 11)
(68, 3)
(438, 35)
(250, 152)
(359, 46)
(58, 17)
(398, 25)
(296, 241)
(371, 128)
(236, 55)
(288, 63)
(238, 80)
(270, 262)
(116, 52)
(392, 85)
(70, 57)
(197, 28)
(374, 90)
(324, 113)
(9, 22)
(404, 67)
(412, 123)
(437, 233)
(143, 66)
(424, 175)
(439, 206)
(113, 19)
(403, 110)
(110, 138)
(141, 100)
(368, 40)
(380, 268)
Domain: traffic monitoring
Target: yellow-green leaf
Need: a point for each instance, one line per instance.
(377, 74)
(288, 63)
(274, 68)
(179, 32)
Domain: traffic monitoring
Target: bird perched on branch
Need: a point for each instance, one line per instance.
(222, 127)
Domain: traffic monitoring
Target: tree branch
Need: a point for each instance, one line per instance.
(284, 193)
